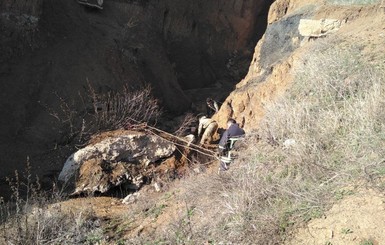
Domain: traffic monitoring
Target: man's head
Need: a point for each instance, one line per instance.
(230, 121)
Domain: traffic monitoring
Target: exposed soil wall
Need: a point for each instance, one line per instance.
(211, 41)
(269, 72)
(51, 51)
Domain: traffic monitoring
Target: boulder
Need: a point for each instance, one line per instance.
(318, 28)
(97, 175)
(114, 160)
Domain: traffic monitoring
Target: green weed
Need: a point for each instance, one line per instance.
(156, 210)
(346, 231)
(340, 194)
(367, 242)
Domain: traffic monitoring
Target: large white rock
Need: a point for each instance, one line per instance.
(318, 28)
(133, 147)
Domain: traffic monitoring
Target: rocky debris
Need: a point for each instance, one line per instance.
(114, 161)
(23, 21)
(97, 175)
(131, 198)
(318, 28)
(289, 143)
(157, 187)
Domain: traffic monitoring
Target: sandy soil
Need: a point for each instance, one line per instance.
(357, 218)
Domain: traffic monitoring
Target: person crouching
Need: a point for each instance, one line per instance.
(208, 127)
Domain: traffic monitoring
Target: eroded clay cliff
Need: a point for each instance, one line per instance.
(52, 51)
(269, 72)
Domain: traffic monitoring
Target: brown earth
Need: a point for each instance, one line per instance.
(357, 218)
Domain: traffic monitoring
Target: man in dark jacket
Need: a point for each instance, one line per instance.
(233, 131)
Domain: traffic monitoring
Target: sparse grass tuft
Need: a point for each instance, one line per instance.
(367, 242)
(30, 217)
(346, 231)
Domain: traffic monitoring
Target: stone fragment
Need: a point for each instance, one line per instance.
(318, 28)
(289, 143)
(157, 187)
(131, 198)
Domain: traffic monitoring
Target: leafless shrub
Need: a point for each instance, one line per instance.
(185, 125)
(104, 111)
(115, 110)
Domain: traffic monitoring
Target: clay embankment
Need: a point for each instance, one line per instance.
(50, 49)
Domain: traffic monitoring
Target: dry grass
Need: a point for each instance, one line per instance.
(31, 218)
(327, 132)
(321, 136)
(333, 112)
(334, 121)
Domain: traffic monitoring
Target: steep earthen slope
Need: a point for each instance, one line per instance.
(269, 71)
(51, 51)
(276, 54)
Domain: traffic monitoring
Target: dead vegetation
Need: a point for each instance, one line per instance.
(114, 110)
(30, 217)
(326, 132)
(320, 136)
(99, 112)
(323, 135)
